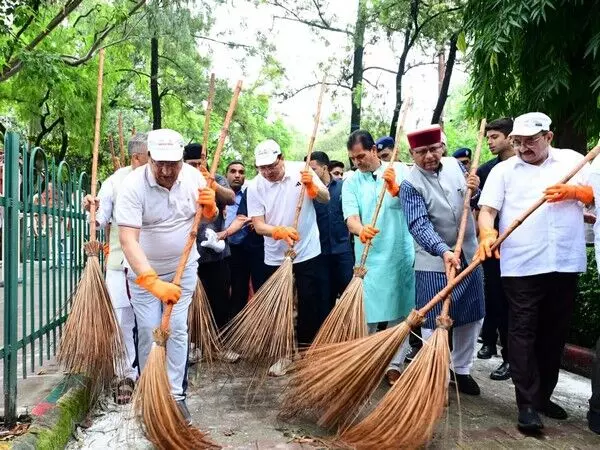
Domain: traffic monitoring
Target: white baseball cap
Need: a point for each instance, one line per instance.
(165, 145)
(266, 152)
(531, 124)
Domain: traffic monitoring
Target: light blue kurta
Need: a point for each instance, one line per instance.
(389, 286)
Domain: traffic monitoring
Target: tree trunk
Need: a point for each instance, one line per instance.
(357, 73)
(399, 76)
(566, 135)
(443, 95)
(64, 144)
(154, 95)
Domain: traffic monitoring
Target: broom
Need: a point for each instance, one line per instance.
(115, 160)
(407, 414)
(91, 341)
(263, 332)
(347, 321)
(338, 378)
(123, 160)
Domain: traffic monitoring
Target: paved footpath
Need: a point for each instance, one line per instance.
(221, 404)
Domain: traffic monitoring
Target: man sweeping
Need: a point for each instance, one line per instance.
(540, 260)
(432, 197)
(272, 198)
(389, 284)
(116, 282)
(155, 211)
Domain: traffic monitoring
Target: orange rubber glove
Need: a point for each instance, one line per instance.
(367, 233)
(164, 291)
(210, 182)
(487, 237)
(389, 176)
(307, 180)
(106, 250)
(206, 198)
(288, 234)
(560, 192)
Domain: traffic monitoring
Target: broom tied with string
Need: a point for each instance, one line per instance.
(339, 378)
(91, 343)
(408, 413)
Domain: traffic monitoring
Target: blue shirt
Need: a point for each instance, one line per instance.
(333, 232)
(231, 211)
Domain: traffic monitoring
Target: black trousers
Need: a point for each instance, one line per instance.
(540, 309)
(496, 307)
(215, 278)
(595, 398)
(341, 269)
(244, 266)
(312, 288)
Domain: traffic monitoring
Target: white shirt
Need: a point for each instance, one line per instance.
(163, 216)
(277, 203)
(594, 181)
(552, 239)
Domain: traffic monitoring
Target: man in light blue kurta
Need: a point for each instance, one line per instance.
(389, 285)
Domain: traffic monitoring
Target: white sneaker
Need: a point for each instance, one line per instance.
(229, 356)
(280, 368)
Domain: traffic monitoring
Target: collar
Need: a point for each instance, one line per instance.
(551, 158)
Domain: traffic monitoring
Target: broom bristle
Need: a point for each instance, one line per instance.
(347, 319)
(202, 326)
(92, 343)
(263, 332)
(162, 422)
(407, 414)
(332, 382)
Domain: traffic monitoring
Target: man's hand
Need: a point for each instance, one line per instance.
(164, 291)
(487, 237)
(106, 250)
(288, 234)
(210, 182)
(312, 190)
(87, 202)
(451, 261)
(367, 233)
(206, 199)
(389, 177)
(561, 192)
(473, 182)
(589, 217)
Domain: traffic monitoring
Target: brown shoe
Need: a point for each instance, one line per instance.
(391, 376)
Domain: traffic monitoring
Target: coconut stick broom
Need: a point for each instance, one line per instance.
(263, 332)
(407, 414)
(337, 379)
(91, 342)
(153, 403)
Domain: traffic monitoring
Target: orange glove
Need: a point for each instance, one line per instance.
(210, 182)
(164, 291)
(487, 236)
(288, 234)
(307, 180)
(206, 199)
(367, 233)
(560, 192)
(389, 176)
(106, 250)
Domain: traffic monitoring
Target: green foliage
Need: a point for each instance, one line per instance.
(585, 325)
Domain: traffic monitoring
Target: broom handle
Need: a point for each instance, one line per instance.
(513, 226)
(111, 146)
(311, 144)
(96, 145)
(209, 107)
(465, 213)
(123, 160)
(166, 317)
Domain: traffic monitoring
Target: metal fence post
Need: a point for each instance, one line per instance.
(11, 275)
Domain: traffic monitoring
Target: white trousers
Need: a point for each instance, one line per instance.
(148, 311)
(116, 283)
(398, 359)
(464, 342)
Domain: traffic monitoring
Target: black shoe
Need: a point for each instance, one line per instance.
(412, 354)
(554, 411)
(501, 373)
(529, 420)
(487, 351)
(185, 412)
(594, 421)
(466, 384)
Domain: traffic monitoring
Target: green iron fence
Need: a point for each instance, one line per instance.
(44, 229)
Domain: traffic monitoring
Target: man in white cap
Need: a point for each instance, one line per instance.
(272, 198)
(155, 211)
(540, 260)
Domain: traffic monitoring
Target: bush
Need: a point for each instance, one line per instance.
(585, 324)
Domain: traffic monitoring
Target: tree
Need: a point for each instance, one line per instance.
(537, 55)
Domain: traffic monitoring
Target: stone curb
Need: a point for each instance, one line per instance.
(55, 417)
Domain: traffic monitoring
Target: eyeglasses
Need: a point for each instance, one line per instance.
(422, 151)
(529, 142)
(269, 168)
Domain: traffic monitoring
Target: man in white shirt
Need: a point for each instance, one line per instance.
(540, 260)
(155, 212)
(272, 200)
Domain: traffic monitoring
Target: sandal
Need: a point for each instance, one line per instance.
(124, 391)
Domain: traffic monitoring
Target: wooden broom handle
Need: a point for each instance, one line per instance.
(513, 226)
(465, 213)
(166, 317)
(96, 145)
(111, 146)
(123, 159)
(209, 107)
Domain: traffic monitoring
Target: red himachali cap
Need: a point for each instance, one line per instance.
(425, 136)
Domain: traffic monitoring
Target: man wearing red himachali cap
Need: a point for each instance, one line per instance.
(432, 197)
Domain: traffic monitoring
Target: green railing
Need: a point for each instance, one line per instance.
(44, 229)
